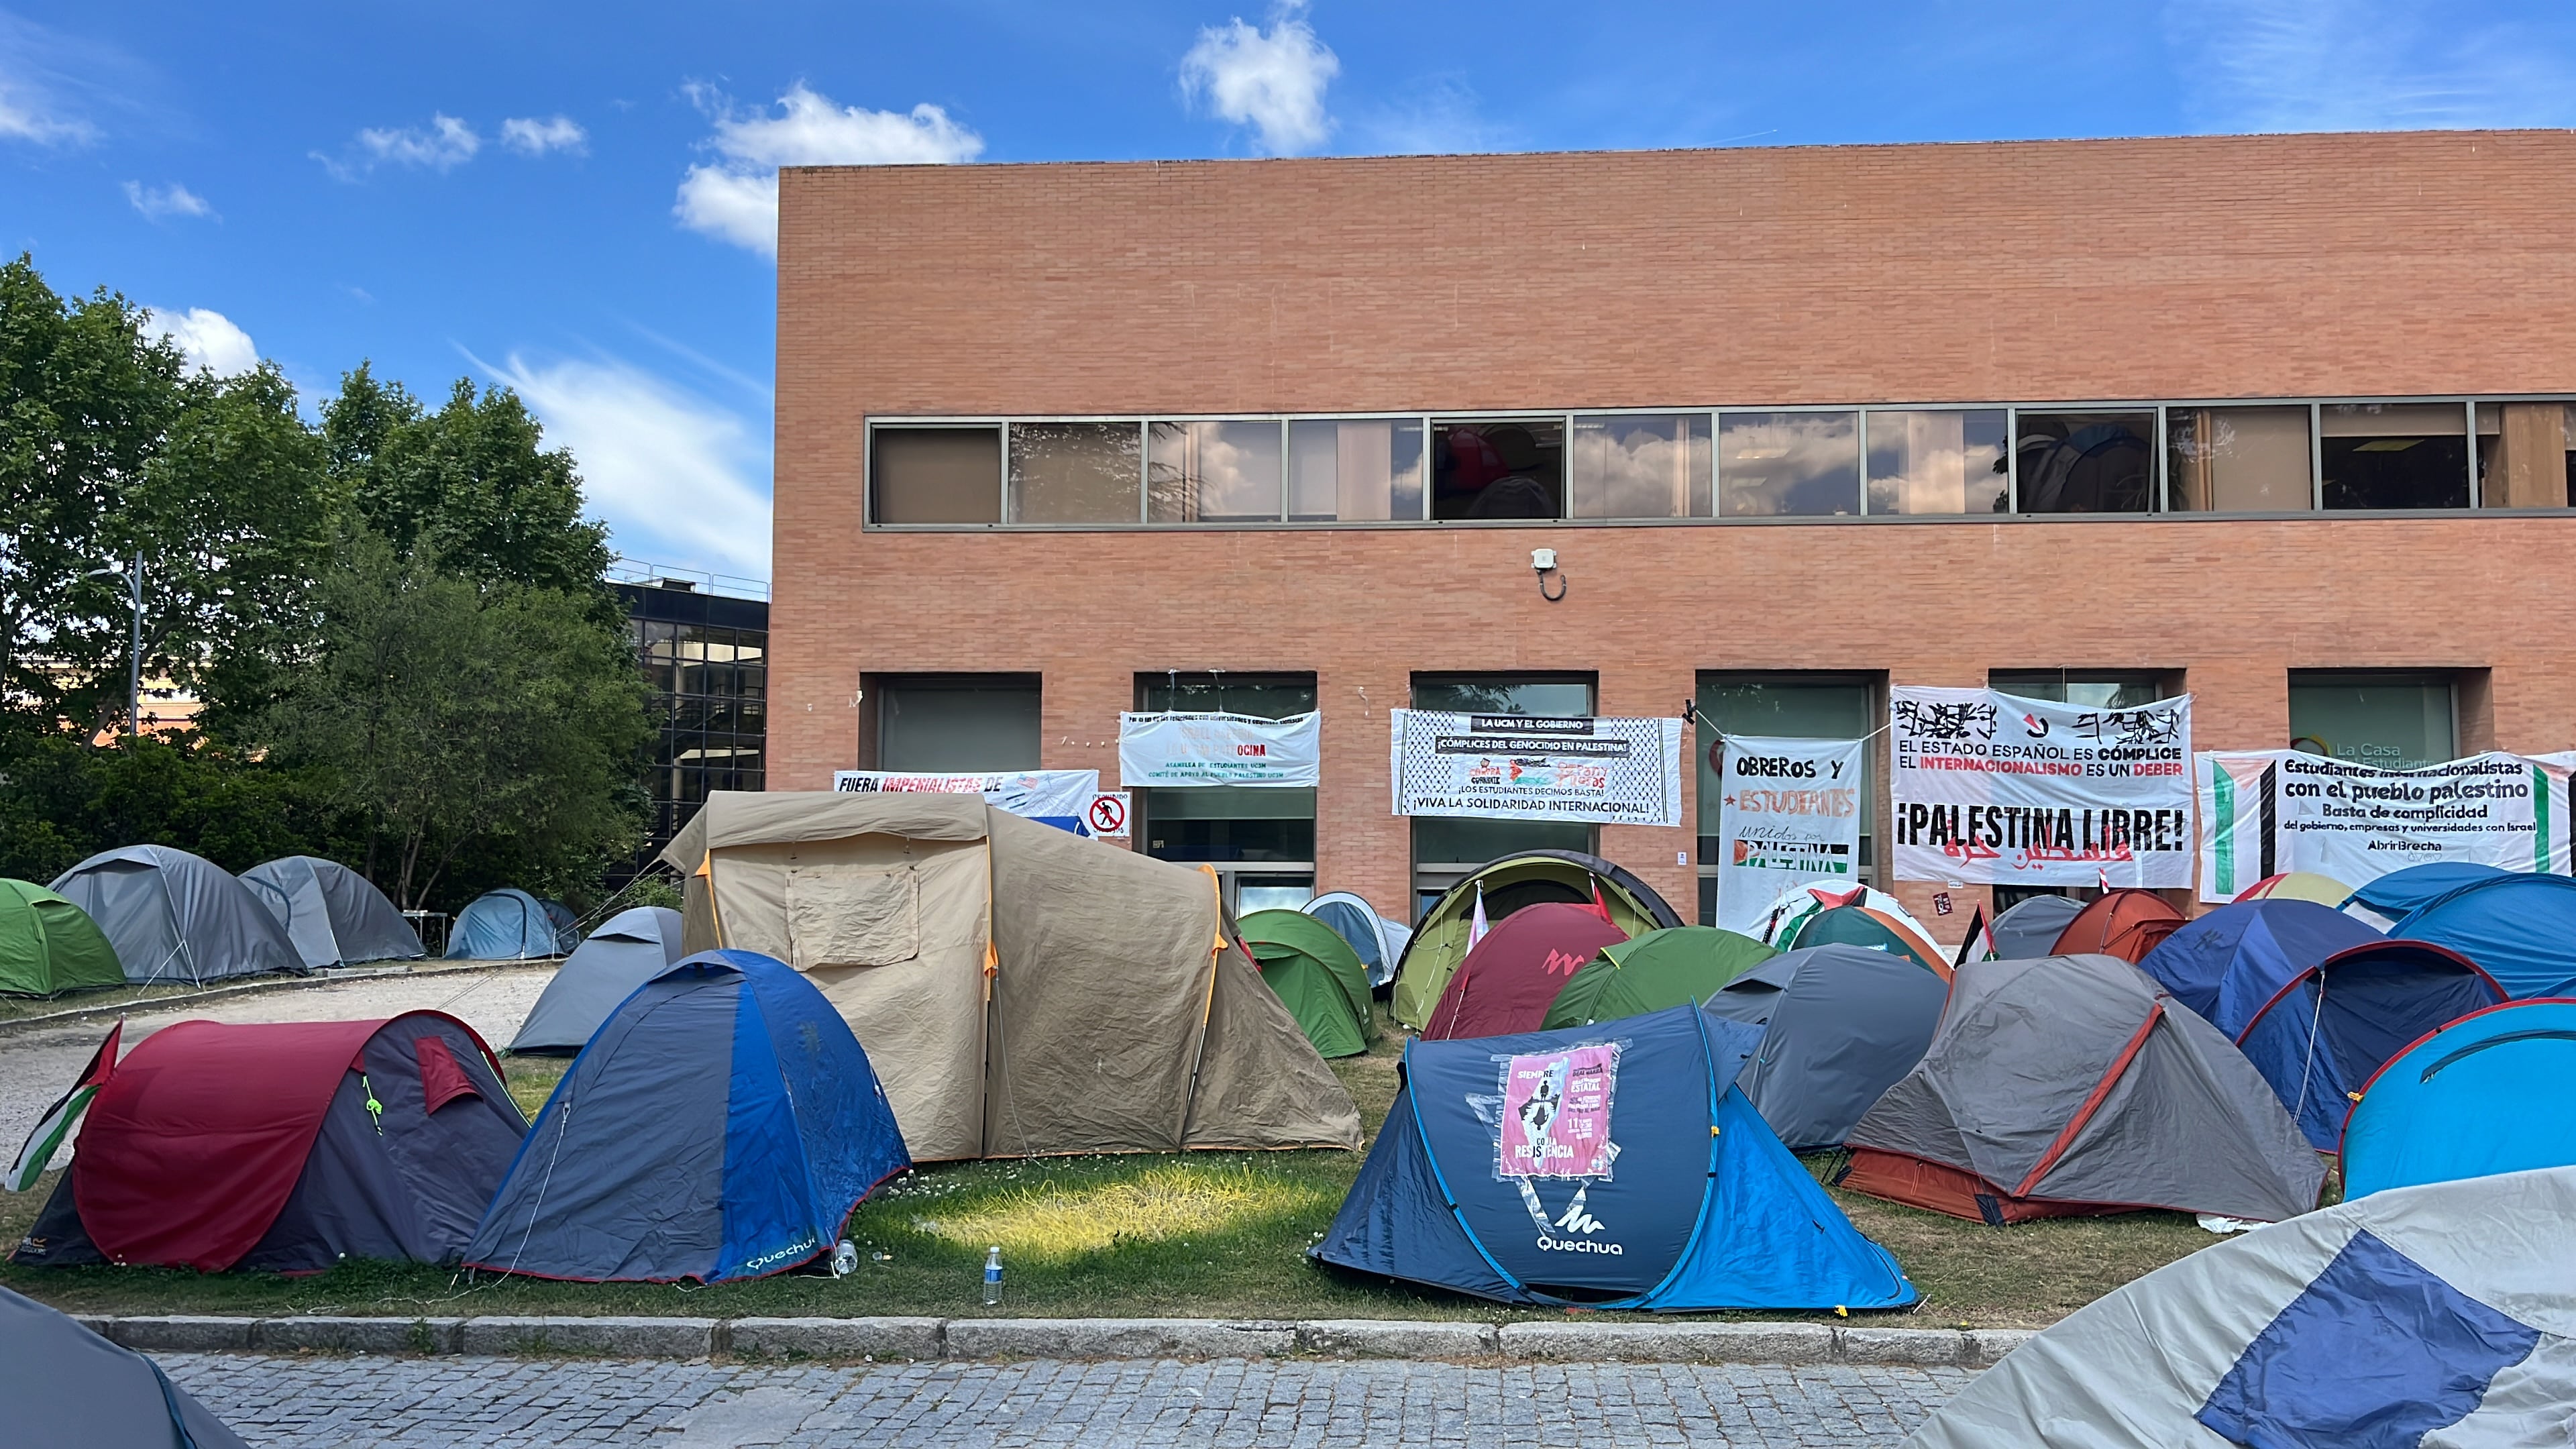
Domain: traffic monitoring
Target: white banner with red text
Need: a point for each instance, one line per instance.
(1989, 788)
(1522, 767)
(1788, 815)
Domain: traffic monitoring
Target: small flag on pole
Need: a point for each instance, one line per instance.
(1980, 943)
(2104, 875)
(1476, 927)
(58, 1120)
(1600, 907)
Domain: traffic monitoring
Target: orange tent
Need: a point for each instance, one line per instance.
(2127, 923)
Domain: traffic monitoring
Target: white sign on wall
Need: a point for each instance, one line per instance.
(1052, 797)
(1789, 815)
(2268, 812)
(1521, 767)
(1996, 789)
(1181, 749)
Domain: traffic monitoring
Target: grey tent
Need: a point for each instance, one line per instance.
(173, 916)
(1844, 1023)
(629, 949)
(2030, 929)
(67, 1388)
(2072, 1085)
(333, 914)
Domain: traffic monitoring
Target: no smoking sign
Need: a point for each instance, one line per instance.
(1107, 816)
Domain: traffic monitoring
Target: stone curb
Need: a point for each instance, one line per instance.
(852, 1339)
(257, 988)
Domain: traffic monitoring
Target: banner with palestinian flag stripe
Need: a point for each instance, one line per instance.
(59, 1119)
(2270, 812)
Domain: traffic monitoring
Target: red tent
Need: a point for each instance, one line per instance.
(1508, 981)
(2126, 923)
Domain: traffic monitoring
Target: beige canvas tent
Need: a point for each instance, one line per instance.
(1020, 990)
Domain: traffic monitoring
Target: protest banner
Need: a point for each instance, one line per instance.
(1522, 767)
(1994, 789)
(1165, 751)
(1050, 797)
(1788, 814)
(2268, 812)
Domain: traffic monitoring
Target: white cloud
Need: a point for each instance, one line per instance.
(532, 137)
(156, 202)
(1272, 81)
(2362, 65)
(37, 68)
(444, 144)
(679, 479)
(736, 198)
(209, 339)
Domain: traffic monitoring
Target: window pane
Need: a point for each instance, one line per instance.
(2395, 455)
(1641, 466)
(2522, 455)
(1214, 472)
(2117, 689)
(1264, 696)
(937, 475)
(1938, 462)
(1074, 472)
(2087, 462)
(1788, 465)
(1473, 842)
(1503, 468)
(1505, 694)
(1354, 469)
(2390, 721)
(2238, 460)
(957, 726)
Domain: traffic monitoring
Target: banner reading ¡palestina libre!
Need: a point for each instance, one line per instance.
(1523, 767)
(1788, 813)
(1186, 749)
(1050, 797)
(2268, 812)
(1994, 789)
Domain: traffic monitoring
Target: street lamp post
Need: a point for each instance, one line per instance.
(134, 663)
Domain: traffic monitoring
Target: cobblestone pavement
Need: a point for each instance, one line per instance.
(1307, 1404)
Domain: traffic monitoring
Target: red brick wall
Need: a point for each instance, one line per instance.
(2205, 268)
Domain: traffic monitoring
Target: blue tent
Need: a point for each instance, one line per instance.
(2400, 891)
(726, 1124)
(2335, 1024)
(1612, 1166)
(508, 925)
(2521, 928)
(2226, 964)
(2484, 1095)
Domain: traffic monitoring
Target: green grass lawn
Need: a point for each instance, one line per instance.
(1216, 1234)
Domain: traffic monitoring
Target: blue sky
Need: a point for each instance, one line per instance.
(573, 199)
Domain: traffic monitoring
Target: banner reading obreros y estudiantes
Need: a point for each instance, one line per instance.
(1994, 789)
(1788, 814)
(2268, 812)
(1199, 749)
(1524, 767)
(1050, 797)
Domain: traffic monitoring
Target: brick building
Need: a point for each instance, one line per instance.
(2278, 420)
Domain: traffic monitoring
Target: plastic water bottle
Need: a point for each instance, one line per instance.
(993, 1275)
(845, 1258)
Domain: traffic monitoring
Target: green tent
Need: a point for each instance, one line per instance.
(1317, 975)
(1653, 971)
(49, 945)
(1862, 926)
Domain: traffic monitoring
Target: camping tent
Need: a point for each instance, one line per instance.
(2125, 923)
(1508, 980)
(2226, 964)
(629, 949)
(2521, 928)
(1790, 913)
(1021, 990)
(68, 1388)
(2485, 1094)
(2031, 927)
(1378, 941)
(2071, 1085)
(285, 1147)
(2399, 892)
(2330, 1028)
(1842, 1025)
(1504, 886)
(507, 925)
(1495, 1177)
(1871, 929)
(47, 944)
(721, 1125)
(1650, 972)
(2298, 885)
(567, 925)
(332, 913)
(173, 916)
(1317, 976)
(2442, 1315)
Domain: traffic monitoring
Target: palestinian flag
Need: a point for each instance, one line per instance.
(1980, 942)
(57, 1122)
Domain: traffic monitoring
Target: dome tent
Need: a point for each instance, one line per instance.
(1377, 941)
(2226, 964)
(284, 1147)
(2517, 927)
(1316, 975)
(2298, 885)
(1505, 885)
(67, 1386)
(2030, 928)
(629, 949)
(48, 945)
(1870, 929)
(1841, 1024)
(333, 914)
(507, 925)
(2484, 1095)
(173, 916)
(2330, 1028)
(2399, 892)
(1511, 976)
(1797, 905)
(2074, 1085)
(1495, 1177)
(721, 1125)
(1672, 967)
(2125, 922)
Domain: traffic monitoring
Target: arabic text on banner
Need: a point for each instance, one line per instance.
(1167, 750)
(1054, 797)
(1995, 789)
(1522, 767)
(1788, 814)
(2267, 812)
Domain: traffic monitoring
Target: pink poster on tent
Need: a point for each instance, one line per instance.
(1556, 1113)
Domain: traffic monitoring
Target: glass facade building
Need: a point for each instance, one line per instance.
(706, 656)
